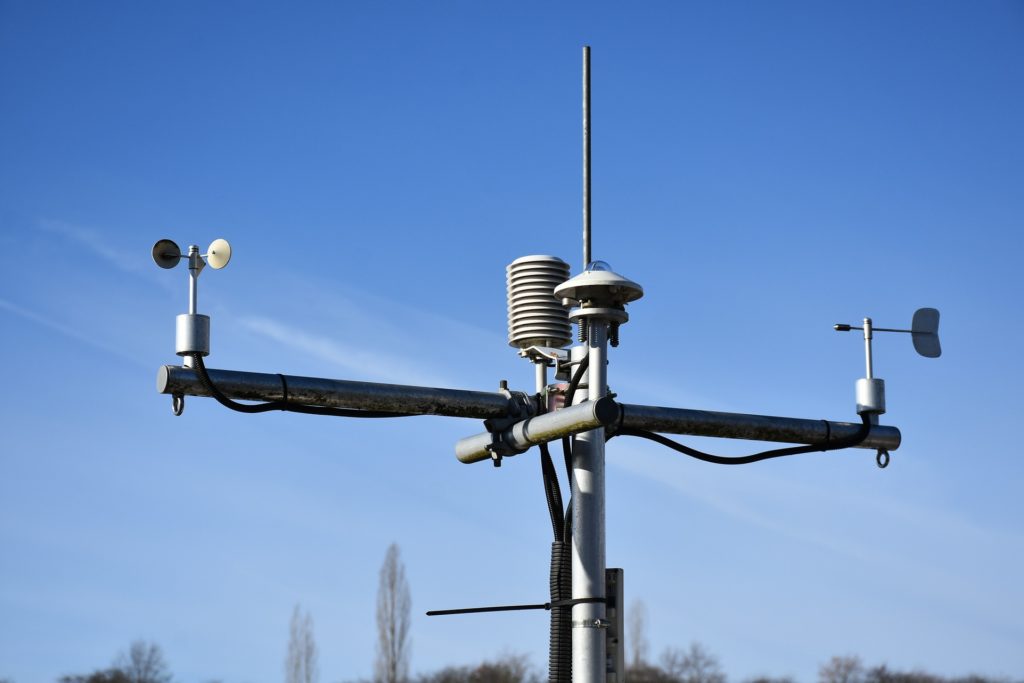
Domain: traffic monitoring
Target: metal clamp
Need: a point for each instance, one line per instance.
(615, 314)
(591, 623)
(520, 406)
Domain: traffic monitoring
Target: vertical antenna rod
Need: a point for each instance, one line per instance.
(586, 155)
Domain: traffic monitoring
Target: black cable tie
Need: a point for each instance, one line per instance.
(577, 601)
(476, 610)
(284, 389)
(512, 608)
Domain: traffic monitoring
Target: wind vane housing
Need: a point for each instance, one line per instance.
(924, 331)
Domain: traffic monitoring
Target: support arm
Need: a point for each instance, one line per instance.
(752, 427)
(340, 393)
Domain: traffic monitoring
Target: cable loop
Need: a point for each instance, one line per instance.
(285, 405)
(177, 404)
(828, 445)
(882, 458)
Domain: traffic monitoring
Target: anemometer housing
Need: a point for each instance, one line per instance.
(192, 329)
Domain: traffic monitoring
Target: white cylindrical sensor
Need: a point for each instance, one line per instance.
(192, 334)
(535, 316)
(870, 396)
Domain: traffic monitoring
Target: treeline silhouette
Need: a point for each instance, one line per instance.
(143, 662)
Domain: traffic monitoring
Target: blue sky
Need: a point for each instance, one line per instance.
(764, 170)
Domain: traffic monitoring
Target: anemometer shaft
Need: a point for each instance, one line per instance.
(193, 292)
(867, 347)
(195, 266)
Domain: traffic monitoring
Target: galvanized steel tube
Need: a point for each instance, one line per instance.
(541, 429)
(588, 522)
(339, 393)
(753, 427)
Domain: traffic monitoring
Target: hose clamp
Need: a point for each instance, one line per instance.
(591, 623)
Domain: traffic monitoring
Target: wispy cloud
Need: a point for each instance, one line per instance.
(66, 331)
(94, 243)
(669, 473)
(362, 361)
(780, 507)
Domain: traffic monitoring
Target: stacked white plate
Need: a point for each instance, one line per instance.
(535, 316)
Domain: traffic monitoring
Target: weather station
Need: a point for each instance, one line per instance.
(545, 302)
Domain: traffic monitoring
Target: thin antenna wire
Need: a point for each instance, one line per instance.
(586, 155)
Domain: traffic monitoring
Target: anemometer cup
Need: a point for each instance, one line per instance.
(192, 334)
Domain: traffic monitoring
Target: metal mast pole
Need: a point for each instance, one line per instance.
(588, 546)
(588, 529)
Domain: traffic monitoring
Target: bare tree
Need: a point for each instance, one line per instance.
(507, 669)
(883, 674)
(637, 638)
(101, 676)
(393, 607)
(649, 673)
(143, 663)
(301, 664)
(695, 665)
(841, 670)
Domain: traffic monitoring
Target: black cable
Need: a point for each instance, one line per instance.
(285, 405)
(552, 492)
(570, 393)
(829, 445)
(560, 576)
(567, 529)
(560, 632)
